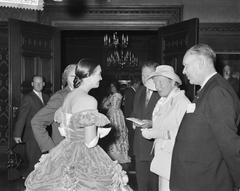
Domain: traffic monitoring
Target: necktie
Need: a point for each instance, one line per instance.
(196, 97)
(148, 96)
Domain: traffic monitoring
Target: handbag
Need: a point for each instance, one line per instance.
(16, 161)
(161, 164)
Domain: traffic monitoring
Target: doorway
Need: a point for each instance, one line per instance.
(78, 44)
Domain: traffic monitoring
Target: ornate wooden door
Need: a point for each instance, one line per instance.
(174, 40)
(34, 49)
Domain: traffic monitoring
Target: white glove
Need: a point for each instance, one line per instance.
(102, 132)
(146, 133)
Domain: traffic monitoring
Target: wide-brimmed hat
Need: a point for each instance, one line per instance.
(162, 70)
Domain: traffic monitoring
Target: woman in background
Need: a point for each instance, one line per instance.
(118, 150)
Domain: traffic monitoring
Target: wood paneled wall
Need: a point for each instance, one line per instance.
(4, 65)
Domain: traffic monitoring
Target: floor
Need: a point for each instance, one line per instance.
(13, 185)
(18, 185)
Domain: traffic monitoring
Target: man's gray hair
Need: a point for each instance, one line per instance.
(203, 50)
(66, 72)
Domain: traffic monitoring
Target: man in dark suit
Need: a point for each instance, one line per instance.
(30, 105)
(144, 103)
(206, 155)
(128, 100)
(228, 75)
(45, 116)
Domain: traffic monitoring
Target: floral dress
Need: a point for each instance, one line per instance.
(72, 166)
(119, 149)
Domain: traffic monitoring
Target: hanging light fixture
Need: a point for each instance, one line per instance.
(118, 54)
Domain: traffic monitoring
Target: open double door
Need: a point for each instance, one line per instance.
(174, 40)
(34, 49)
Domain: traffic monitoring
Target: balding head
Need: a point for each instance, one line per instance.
(198, 63)
(203, 50)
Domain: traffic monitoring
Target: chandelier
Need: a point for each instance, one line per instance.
(118, 54)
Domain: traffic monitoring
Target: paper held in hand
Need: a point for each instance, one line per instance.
(136, 120)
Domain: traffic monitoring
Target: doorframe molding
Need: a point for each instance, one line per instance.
(222, 37)
(112, 17)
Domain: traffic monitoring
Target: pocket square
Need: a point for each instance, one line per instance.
(191, 107)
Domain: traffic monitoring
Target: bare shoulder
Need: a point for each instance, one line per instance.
(84, 102)
(90, 100)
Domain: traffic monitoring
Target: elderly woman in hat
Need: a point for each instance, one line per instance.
(166, 118)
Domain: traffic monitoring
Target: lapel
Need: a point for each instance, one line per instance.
(132, 90)
(36, 98)
(205, 89)
(163, 106)
(152, 102)
(45, 98)
(143, 97)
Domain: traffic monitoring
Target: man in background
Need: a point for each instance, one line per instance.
(144, 103)
(45, 116)
(128, 99)
(228, 75)
(30, 105)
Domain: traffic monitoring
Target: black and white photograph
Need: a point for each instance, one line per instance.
(119, 95)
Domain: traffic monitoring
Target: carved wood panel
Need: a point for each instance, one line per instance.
(21, 14)
(174, 40)
(112, 17)
(222, 37)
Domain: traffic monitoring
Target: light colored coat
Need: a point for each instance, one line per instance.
(167, 116)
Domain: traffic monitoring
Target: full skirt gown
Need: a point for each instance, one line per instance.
(72, 166)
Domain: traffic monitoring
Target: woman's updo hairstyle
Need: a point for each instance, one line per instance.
(84, 68)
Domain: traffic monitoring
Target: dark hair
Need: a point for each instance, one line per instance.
(84, 68)
(149, 63)
(38, 76)
(115, 84)
(135, 80)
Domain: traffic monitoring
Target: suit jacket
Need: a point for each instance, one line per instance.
(206, 154)
(129, 94)
(44, 118)
(142, 147)
(30, 105)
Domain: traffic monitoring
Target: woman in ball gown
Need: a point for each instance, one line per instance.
(118, 150)
(78, 163)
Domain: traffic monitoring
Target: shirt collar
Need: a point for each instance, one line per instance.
(133, 88)
(38, 93)
(171, 94)
(149, 91)
(208, 78)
